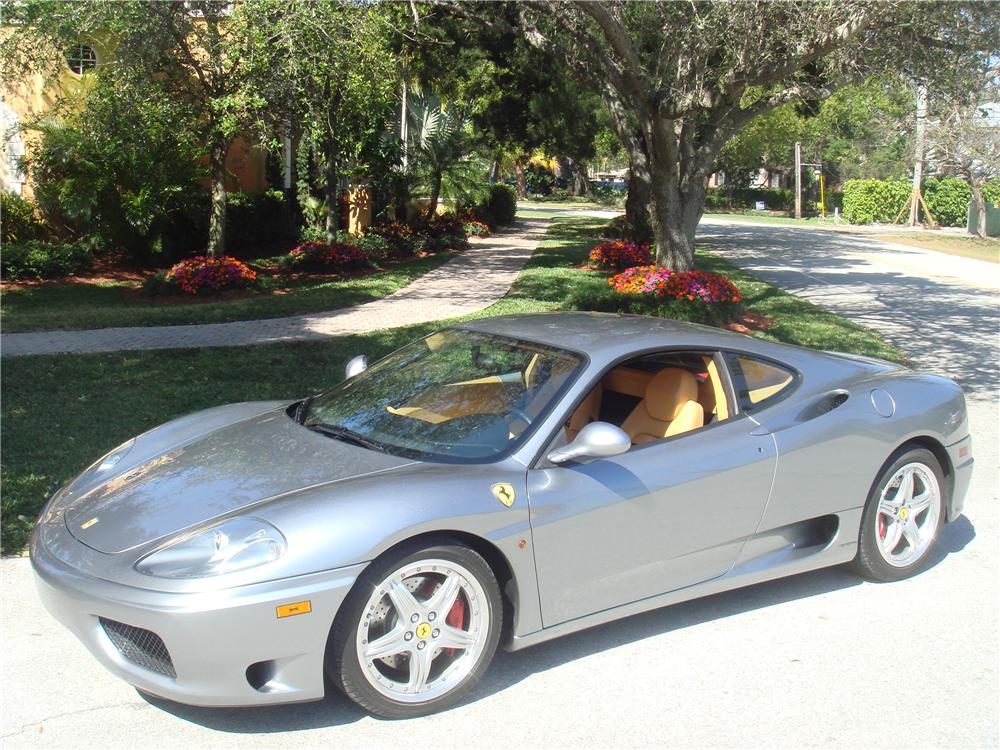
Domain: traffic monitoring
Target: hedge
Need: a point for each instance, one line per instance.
(775, 199)
(43, 260)
(880, 201)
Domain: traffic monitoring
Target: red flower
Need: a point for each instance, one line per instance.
(688, 285)
(620, 254)
(200, 274)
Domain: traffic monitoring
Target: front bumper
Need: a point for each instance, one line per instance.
(221, 643)
(960, 454)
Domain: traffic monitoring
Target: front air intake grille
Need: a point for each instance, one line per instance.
(142, 647)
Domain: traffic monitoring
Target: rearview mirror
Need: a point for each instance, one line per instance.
(597, 440)
(356, 366)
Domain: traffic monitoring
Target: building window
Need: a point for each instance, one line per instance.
(81, 58)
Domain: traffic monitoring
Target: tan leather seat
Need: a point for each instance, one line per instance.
(669, 407)
(588, 411)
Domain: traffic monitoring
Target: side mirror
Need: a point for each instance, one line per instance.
(597, 439)
(356, 366)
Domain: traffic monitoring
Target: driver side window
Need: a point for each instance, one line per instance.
(656, 397)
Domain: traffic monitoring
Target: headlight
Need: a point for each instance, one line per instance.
(109, 461)
(236, 544)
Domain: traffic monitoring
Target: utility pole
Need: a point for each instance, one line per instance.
(918, 162)
(798, 180)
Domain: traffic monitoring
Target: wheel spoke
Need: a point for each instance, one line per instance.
(405, 603)
(912, 533)
(444, 598)
(420, 669)
(921, 501)
(905, 490)
(888, 507)
(455, 638)
(892, 535)
(389, 644)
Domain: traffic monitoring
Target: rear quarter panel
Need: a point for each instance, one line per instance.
(827, 462)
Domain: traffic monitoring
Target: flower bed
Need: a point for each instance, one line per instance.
(318, 256)
(202, 275)
(619, 254)
(475, 228)
(697, 296)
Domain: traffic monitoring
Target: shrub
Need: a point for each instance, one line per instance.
(115, 171)
(317, 256)
(439, 225)
(44, 260)
(775, 199)
(203, 275)
(474, 228)
(439, 232)
(17, 219)
(948, 199)
(618, 254)
(375, 245)
(868, 201)
(697, 296)
(256, 221)
(401, 239)
(619, 228)
(500, 208)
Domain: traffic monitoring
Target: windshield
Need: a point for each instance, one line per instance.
(455, 395)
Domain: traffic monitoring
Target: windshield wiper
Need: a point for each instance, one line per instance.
(302, 409)
(348, 436)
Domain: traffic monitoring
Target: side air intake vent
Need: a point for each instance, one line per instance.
(831, 401)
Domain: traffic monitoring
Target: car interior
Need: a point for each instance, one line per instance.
(655, 397)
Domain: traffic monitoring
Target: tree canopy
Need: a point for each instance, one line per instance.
(679, 80)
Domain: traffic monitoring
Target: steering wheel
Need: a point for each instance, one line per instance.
(520, 414)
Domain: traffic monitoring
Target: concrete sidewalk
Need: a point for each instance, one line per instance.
(475, 279)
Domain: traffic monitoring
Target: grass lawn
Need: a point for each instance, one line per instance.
(563, 204)
(965, 245)
(73, 306)
(812, 221)
(60, 412)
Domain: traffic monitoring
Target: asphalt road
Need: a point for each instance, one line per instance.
(821, 659)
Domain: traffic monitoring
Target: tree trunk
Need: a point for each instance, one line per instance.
(331, 186)
(678, 197)
(581, 179)
(495, 171)
(637, 201)
(217, 216)
(435, 193)
(977, 195)
(522, 182)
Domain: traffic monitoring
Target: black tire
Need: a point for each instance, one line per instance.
(870, 562)
(343, 664)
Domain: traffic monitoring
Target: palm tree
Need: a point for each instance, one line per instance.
(442, 160)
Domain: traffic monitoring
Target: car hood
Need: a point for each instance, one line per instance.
(231, 467)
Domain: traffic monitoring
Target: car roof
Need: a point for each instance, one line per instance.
(608, 336)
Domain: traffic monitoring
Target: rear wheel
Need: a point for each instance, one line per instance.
(902, 518)
(417, 631)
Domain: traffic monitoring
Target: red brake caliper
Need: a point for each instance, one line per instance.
(881, 526)
(456, 619)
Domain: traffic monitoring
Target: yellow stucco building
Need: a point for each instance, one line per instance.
(24, 103)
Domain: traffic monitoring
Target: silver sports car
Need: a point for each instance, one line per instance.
(504, 481)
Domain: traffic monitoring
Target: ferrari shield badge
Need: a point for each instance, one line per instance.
(504, 493)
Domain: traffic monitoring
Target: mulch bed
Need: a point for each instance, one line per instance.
(750, 322)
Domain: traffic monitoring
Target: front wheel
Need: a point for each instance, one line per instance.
(902, 518)
(417, 631)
